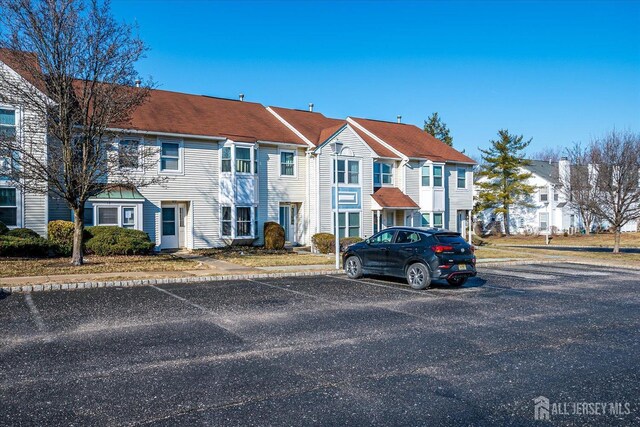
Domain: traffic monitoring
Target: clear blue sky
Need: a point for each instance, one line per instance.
(556, 72)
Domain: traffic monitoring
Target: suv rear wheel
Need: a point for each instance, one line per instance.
(353, 267)
(418, 276)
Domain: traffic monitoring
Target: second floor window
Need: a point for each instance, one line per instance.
(426, 176)
(170, 157)
(287, 166)
(226, 159)
(437, 178)
(129, 154)
(462, 178)
(382, 174)
(352, 174)
(243, 159)
(7, 124)
(544, 194)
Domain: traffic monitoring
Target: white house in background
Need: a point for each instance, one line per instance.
(551, 209)
(234, 165)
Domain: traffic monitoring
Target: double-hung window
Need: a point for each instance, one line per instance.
(170, 157)
(382, 174)
(544, 221)
(426, 175)
(349, 224)
(243, 222)
(287, 163)
(129, 154)
(424, 220)
(225, 221)
(462, 178)
(437, 220)
(544, 194)
(352, 174)
(437, 176)
(7, 124)
(243, 159)
(226, 159)
(8, 206)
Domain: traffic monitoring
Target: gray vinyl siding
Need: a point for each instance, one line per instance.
(457, 199)
(413, 179)
(360, 151)
(198, 185)
(274, 189)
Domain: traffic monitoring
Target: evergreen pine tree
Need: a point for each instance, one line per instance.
(438, 129)
(505, 183)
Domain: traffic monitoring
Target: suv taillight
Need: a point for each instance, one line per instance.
(441, 248)
(473, 249)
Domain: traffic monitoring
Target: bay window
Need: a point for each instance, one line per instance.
(107, 215)
(243, 159)
(426, 175)
(243, 222)
(8, 207)
(128, 217)
(437, 176)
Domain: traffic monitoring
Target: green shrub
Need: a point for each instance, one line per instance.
(111, 240)
(273, 235)
(24, 233)
(3, 229)
(61, 236)
(324, 243)
(11, 246)
(346, 241)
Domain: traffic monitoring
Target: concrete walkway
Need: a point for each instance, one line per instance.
(222, 267)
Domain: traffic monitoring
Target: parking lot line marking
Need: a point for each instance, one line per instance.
(569, 271)
(521, 274)
(35, 313)
(368, 282)
(288, 290)
(186, 301)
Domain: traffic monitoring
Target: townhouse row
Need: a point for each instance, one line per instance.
(230, 166)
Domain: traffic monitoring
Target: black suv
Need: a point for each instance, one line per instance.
(418, 254)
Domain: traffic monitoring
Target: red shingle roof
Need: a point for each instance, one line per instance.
(412, 141)
(314, 126)
(392, 197)
(174, 112)
(26, 65)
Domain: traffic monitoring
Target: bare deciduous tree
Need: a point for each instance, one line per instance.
(79, 63)
(576, 185)
(615, 172)
(547, 154)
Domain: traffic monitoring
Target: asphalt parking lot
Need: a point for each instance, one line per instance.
(327, 350)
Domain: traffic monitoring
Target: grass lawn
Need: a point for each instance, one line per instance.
(605, 239)
(486, 252)
(259, 257)
(17, 267)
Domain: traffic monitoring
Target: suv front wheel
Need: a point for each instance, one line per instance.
(353, 267)
(418, 276)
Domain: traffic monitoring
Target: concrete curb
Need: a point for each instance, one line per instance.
(167, 281)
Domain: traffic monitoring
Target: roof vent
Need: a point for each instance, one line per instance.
(311, 107)
(241, 96)
(399, 118)
(138, 82)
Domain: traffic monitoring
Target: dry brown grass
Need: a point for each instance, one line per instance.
(599, 240)
(259, 257)
(486, 252)
(19, 267)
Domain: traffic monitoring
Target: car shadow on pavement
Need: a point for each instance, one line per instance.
(473, 282)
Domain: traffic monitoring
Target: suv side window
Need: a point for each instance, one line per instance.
(383, 237)
(408, 237)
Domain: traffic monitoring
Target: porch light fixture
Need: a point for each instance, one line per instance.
(336, 147)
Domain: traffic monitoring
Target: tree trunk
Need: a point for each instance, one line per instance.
(78, 234)
(507, 229)
(616, 244)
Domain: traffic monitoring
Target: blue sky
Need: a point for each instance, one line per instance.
(556, 72)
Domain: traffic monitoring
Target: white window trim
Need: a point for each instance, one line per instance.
(346, 171)
(430, 169)
(433, 219)
(295, 163)
(137, 220)
(231, 220)
(251, 222)
(433, 176)
(180, 170)
(234, 168)
(19, 218)
(140, 141)
(96, 214)
(346, 211)
(392, 173)
(466, 187)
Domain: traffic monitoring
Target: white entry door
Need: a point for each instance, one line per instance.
(173, 225)
(287, 220)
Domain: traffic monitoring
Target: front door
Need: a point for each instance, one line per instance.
(287, 220)
(173, 225)
(461, 222)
